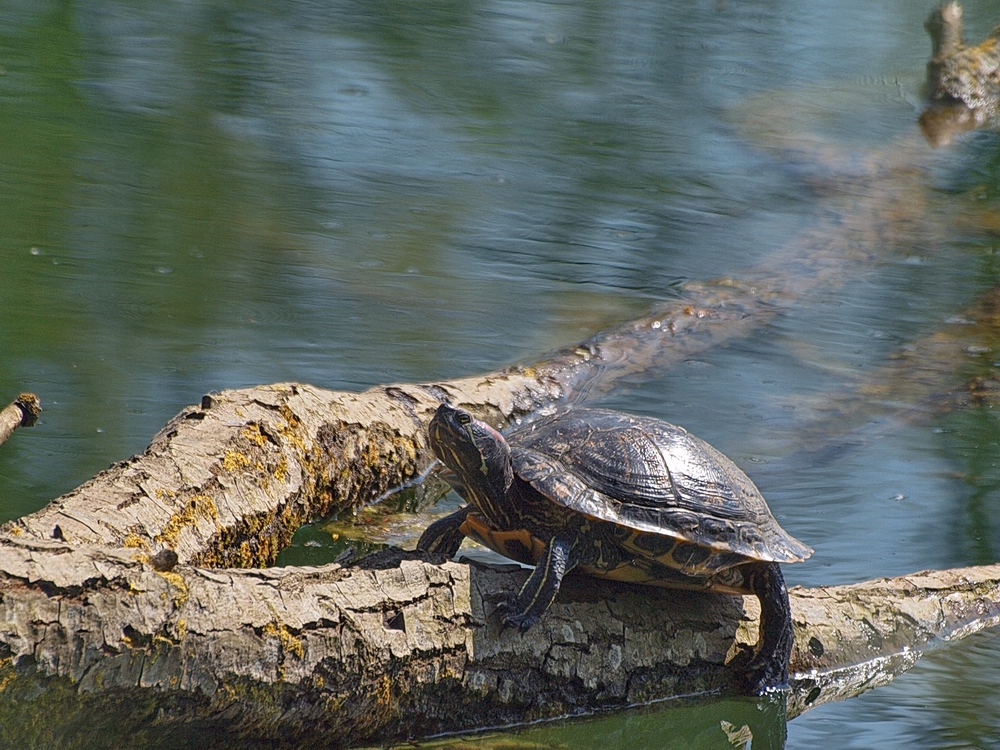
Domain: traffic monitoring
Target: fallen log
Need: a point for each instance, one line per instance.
(398, 647)
(227, 482)
(114, 606)
(132, 625)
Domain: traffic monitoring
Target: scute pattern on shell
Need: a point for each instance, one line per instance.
(649, 475)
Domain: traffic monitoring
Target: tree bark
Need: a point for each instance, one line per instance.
(399, 647)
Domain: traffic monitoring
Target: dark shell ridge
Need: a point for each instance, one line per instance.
(649, 475)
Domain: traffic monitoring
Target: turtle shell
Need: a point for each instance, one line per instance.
(651, 477)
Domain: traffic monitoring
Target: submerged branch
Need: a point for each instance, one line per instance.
(963, 82)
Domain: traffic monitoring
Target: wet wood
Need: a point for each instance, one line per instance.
(849, 639)
(125, 599)
(227, 481)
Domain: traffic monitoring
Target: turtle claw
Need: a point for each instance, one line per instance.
(758, 675)
(512, 615)
(763, 681)
(766, 676)
(518, 620)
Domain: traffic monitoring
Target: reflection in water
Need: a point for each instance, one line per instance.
(732, 724)
(941, 123)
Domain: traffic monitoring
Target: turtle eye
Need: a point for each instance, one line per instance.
(464, 418)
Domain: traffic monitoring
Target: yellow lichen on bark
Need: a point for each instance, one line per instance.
(289, 642)
(199, 507)
(233, 461)
(252, 433)
(177, 581)
(134, 541)
(281, 470)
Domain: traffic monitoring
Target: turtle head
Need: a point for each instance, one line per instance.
(478, 455)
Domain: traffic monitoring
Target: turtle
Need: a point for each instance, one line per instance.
(618, 496)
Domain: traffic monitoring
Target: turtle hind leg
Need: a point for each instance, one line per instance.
(444, 536)
(767, 670)
(537, 593)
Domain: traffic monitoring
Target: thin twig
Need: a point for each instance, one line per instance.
(23, 411)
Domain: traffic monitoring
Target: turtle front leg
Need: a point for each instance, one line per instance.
(542, 585)
(768, 668)
(444, 536)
